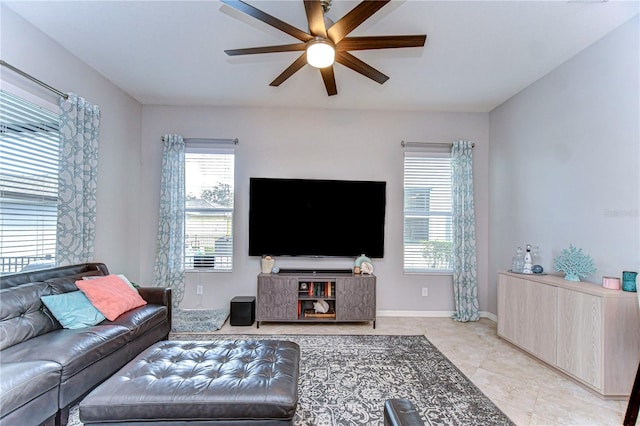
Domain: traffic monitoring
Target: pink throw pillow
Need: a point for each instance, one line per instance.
(110, 295)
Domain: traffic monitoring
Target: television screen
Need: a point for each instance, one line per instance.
(314, 218)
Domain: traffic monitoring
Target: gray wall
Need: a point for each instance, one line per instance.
(314, 143)
(564, 162)
(22, 45)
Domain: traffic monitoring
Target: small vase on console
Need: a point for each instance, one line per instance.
(629, 280)
(528, 262)
(266, 264)
(517, 263)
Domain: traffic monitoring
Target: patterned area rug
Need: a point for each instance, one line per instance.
(198, 320)
(345, 380)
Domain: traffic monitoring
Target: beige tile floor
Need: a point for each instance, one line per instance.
(529, 392)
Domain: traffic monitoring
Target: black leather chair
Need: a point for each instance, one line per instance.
(631, 416)
(401, 412)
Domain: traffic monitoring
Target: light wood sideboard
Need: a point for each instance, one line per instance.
(590, 333)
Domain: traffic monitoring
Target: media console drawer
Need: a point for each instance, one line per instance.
(346, 297)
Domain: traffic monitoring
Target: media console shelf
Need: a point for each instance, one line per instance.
(289, 297)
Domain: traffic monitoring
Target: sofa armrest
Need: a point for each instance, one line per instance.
(158, 296)
(401, 412)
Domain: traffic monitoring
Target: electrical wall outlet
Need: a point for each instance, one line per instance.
(199, 289)
(425, 291)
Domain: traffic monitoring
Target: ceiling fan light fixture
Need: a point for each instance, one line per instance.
(323, 39)
(320, 53)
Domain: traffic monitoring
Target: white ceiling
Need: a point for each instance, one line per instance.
(477, 55)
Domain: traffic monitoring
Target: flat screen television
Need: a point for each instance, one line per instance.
(316, 218)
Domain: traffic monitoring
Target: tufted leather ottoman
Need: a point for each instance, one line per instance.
(220, 382)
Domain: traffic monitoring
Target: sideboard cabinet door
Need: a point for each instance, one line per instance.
(277, 298)
(356, 298)
(527, 313)
(580, 337)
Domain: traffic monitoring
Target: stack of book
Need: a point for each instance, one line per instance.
(321, 289)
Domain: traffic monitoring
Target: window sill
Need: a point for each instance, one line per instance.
(207, 271)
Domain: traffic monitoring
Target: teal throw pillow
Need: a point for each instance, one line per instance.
(73, 309)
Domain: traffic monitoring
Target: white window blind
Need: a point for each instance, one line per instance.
(29, 146)
(209, 191)
(427, 212)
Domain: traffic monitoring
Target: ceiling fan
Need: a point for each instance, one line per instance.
(326, 36)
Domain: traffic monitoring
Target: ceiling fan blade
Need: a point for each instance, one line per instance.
(315, 16)
(381, 42)
(268, 19)
(295, 66)
(267, 49)
(329, 79)
(354, 18)
(350, 61)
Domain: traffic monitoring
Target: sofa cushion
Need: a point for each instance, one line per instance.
(29, 384)
(110, 295)
(74, 350)
(121, 276)
(67, 283)
(21, 314)
(41, 275)
(73, 309)
(141, 320)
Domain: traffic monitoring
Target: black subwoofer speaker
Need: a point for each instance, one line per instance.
(243, 310)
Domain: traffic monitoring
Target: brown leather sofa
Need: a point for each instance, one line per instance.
(45, 368)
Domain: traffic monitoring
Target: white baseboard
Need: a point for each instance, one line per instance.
(489, 315)
(414, 313)
(433, 314)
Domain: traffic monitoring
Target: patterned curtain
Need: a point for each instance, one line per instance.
(465, 285)
(169, 270)
(78, 180)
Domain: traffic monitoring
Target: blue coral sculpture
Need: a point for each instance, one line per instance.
(574, 264)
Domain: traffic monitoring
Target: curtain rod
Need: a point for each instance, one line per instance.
(35, 80)
(209, 140)
(433, 144)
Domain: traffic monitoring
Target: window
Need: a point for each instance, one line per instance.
(427, 212)
(209, 177)
(29, 143)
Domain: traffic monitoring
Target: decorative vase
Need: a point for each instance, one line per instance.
(266, 264)
(629, 280)
(517, 262)
(528, 263)
(535, 255)
(612, 283)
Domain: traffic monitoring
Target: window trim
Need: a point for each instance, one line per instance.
(50, 106)
(211, 146)
(426, 152)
